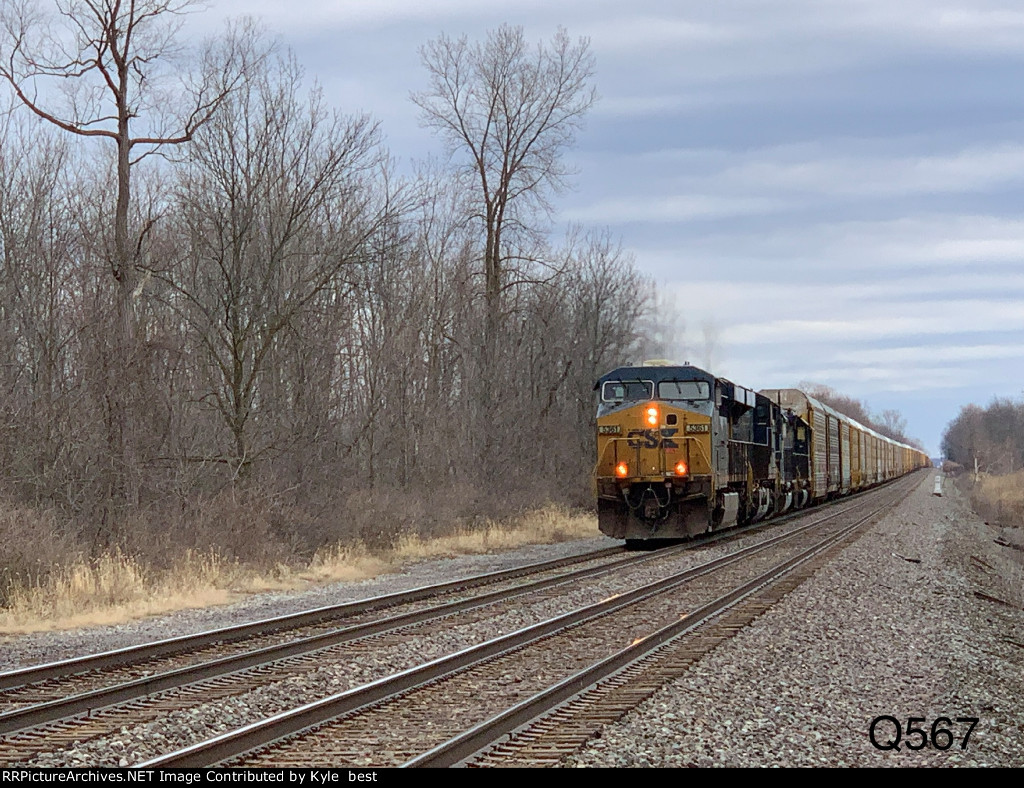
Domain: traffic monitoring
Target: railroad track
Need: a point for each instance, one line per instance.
(52, 706)
(445, 710)
(554, 723)
(290, 624)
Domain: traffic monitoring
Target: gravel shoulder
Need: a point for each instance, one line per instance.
(921, 617)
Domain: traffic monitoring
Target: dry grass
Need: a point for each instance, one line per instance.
(117, 587)
(544, 526)
(1000, 498)
(346, 563)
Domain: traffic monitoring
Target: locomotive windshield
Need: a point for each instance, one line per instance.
(684, 389)
(626, 390)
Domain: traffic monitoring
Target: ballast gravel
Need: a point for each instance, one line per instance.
(923, 617)
(22, 650)
(361, 662)
(894, 627)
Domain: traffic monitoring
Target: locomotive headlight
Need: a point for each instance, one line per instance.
(681, 469)
(651, 415)
(622, 470)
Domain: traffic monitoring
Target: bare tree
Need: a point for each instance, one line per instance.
(891, 423)
(989, 439)
(583, 323)
(35, 335)
(114, 63)
(277, 202)
(510, 110)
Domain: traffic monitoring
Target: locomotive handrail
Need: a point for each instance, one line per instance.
(600, 460)
(661, 449)
(700, 448)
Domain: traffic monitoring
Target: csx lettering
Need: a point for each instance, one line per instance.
(653, 439)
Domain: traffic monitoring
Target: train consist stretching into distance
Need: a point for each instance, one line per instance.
(681, 452)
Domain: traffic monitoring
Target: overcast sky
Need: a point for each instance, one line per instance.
(828, 190)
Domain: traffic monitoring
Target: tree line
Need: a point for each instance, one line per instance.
(218, 282)
(992, 437)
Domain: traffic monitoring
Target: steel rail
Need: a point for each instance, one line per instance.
(20, 719)
(54, 710)
(131, 655)
(461, 748)
(135, 655)
(234, 743)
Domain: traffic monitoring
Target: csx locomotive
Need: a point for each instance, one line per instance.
(681, 452)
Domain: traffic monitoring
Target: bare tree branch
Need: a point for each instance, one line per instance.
(113, 58)
(509, 112)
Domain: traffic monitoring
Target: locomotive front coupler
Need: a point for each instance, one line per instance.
(648, 504)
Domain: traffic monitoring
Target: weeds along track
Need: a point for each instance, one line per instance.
(30, 684)
(443, 710)
(75, 711)
(44, 693)
(57, 710)
(287, 625)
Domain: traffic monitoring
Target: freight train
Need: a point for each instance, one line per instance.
(681, 452)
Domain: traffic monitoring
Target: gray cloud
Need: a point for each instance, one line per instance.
(831, 187)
